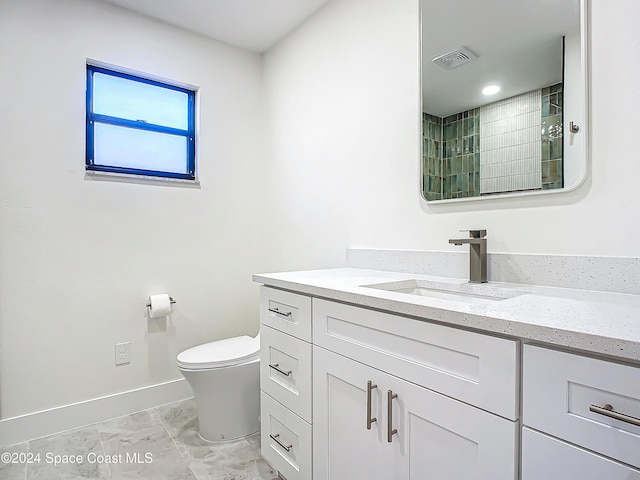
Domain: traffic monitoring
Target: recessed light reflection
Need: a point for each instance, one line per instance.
(490, 90)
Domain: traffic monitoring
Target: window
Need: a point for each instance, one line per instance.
(139, 126)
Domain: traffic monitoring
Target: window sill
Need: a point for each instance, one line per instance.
(98, 175)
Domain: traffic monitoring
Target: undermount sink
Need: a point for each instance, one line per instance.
(462, 292)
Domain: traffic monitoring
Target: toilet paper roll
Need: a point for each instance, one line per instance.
(160, 305)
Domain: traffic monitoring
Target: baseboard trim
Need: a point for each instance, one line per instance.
(47, 422)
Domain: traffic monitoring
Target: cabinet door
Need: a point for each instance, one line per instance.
(548, 458)
(444, 439)
(343, 447)
(437, 437)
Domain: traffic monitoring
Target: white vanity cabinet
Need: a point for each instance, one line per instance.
(286, 382)
(369, 424)
(371, 365)
(581, 416)
(350, 392)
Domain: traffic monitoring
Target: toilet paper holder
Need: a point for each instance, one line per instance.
(171, 300)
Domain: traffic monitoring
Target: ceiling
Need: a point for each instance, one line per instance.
(518, 44)
(254, 25)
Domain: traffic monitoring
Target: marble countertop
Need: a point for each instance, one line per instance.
(593, 321)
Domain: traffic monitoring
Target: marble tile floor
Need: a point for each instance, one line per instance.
(157, 444)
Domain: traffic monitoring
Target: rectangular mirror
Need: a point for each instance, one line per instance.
(504, 98)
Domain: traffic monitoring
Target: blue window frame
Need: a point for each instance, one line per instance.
(139, 126)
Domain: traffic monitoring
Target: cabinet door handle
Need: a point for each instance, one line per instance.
(278, 312)
(370, 386)
(608, 411)
(275, 367)
(275, 439)
(390, 430)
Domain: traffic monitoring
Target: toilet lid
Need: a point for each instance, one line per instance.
(222, 353)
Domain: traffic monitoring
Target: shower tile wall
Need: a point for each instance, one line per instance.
(510, 158)
(552, 138)
(431, 157)
(451, 155)
(451, 150)
(461, 154)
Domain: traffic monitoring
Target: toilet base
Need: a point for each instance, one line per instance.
(228, 401)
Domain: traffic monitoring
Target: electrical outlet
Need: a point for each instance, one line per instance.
(123, 353)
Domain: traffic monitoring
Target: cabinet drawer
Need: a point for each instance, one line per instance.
(285, 370)
(285, 439)
(285, 311)
(477, 369)
(547, 458)
(559, 389)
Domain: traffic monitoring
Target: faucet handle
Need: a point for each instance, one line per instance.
(476, 233)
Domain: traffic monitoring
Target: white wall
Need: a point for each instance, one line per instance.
(79, 256)
(342, 95)
(334, 164)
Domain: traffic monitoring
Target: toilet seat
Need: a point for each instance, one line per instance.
(221, 353)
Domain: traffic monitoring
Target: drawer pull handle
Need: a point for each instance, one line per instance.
(278, 312)
(608, 411)
(275, 439)
(390, 430)
(275, 367)
(370, 386)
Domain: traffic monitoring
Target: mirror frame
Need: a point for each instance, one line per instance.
(581, 117)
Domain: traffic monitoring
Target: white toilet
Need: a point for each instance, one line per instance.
(225, 378)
